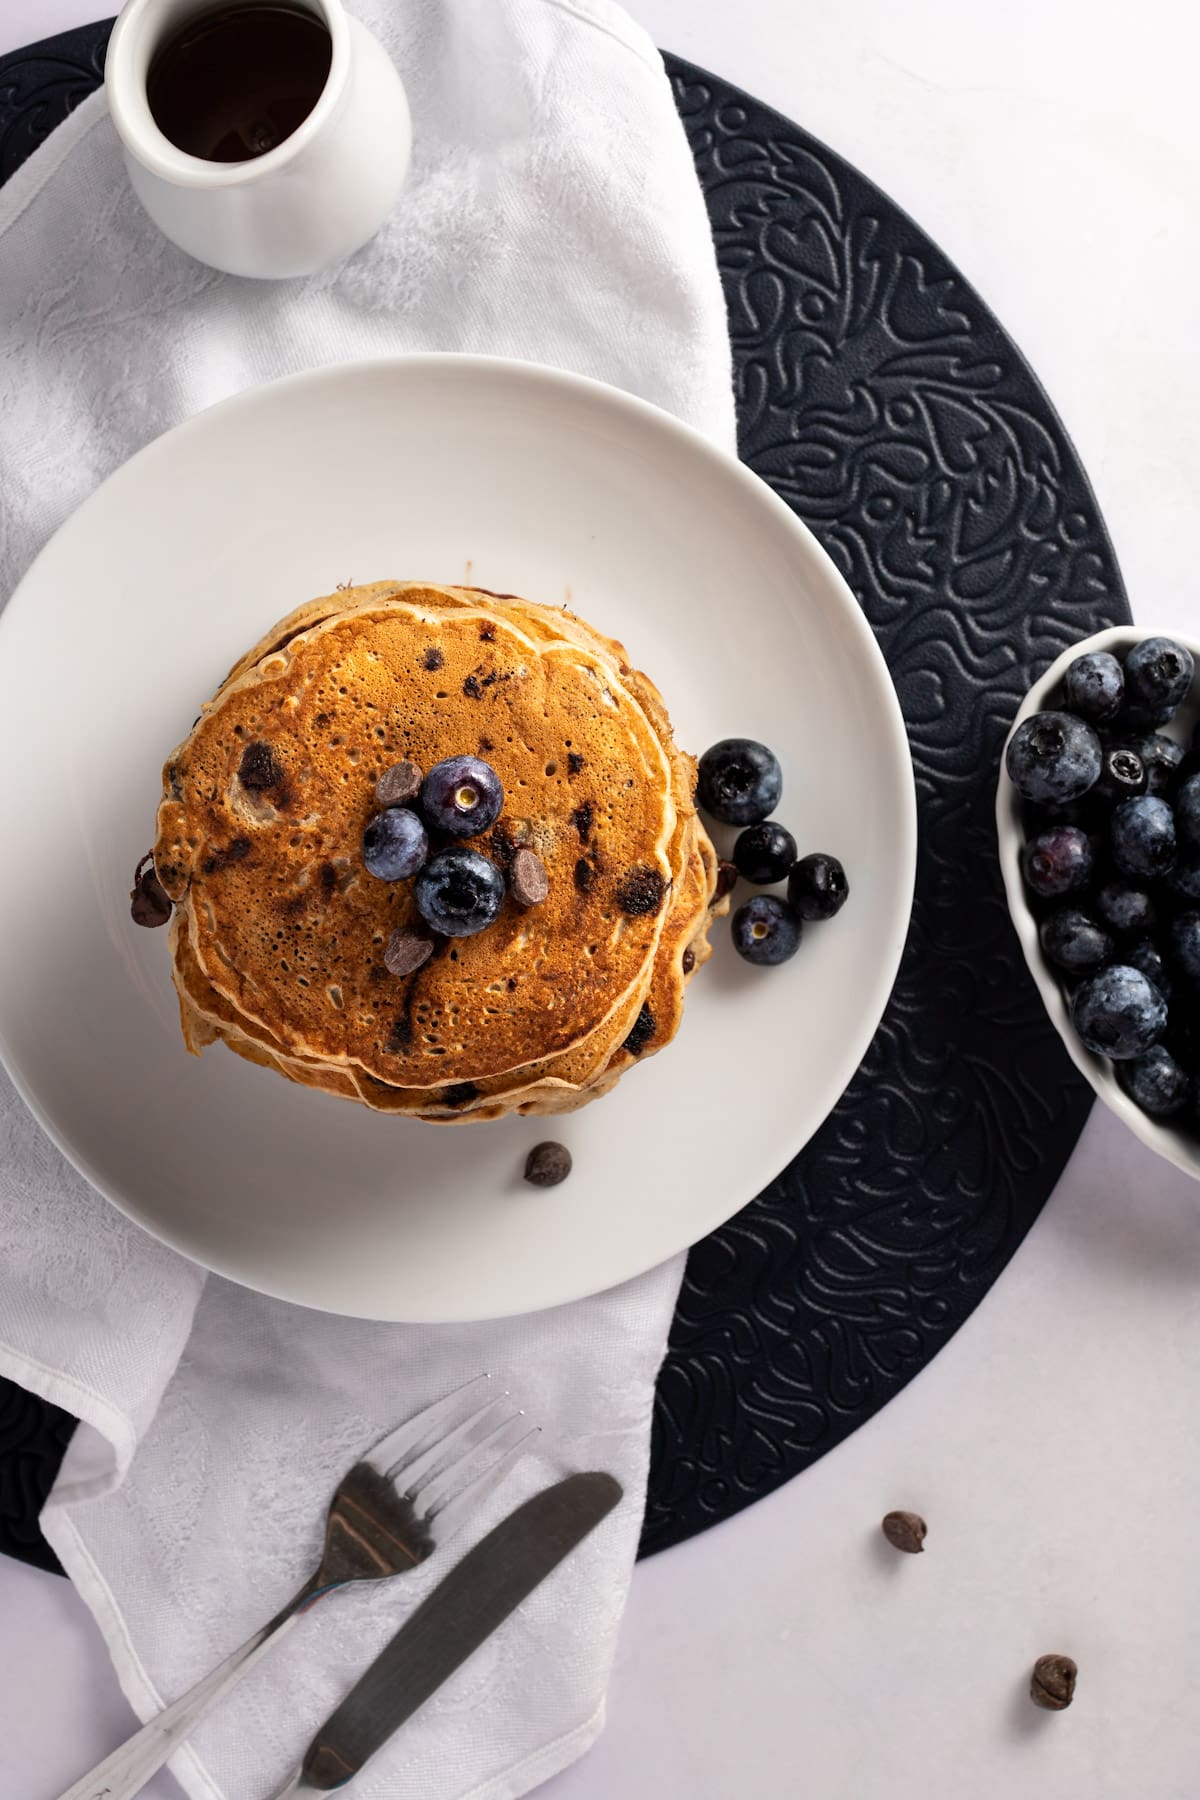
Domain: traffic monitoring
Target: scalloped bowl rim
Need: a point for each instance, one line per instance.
(1165, 1139)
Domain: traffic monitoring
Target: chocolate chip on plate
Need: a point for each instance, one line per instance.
(548, 1164)
(399, 784)
(149, 903)
(406, 952)
(528, 878)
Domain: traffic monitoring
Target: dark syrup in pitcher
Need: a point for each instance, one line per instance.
(233, 83)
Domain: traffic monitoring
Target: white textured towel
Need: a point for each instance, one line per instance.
(552, 213)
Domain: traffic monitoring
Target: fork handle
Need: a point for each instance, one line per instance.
(124, 1773)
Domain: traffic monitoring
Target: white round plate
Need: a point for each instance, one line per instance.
(523, 480)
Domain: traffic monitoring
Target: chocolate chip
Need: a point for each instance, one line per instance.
(584, 874)
(1052, 1685)
(472, 689)
(904, 1531)
(583, 819)
(547, 1165)
(399, 784)
(328, 877)
(574, 762)
(461, 1094)
(503, 846)
(689, 960)
(487, 632)
(644, 1027)
(258, 769)
(149, 903)
(640, 892)
(433, 659)
(529, 881)
(406, 952)
(727, 879)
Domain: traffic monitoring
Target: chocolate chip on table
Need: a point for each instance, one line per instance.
(149, 903)
(904, 1531)
(528, 879)
(406, 952)
(399, 784)
(547, 1165)
(1052, 1685)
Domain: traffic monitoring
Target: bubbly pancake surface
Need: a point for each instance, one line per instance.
(260, 843)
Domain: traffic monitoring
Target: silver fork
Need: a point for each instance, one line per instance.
(406, 1498)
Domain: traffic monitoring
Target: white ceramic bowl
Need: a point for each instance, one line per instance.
(1177, 1146)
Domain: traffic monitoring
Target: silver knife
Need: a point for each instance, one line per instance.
(469, 1603)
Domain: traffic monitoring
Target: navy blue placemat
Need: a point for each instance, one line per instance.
(879, 396)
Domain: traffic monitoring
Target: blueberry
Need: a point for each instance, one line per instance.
(1147, 958)
(1058, 861)
(1155, 1082)
(1125, 909)
(764, 853)
(1122, 776)
(1158, 674)
(1118, 1013)
(1094, 686)
(1073, 941)
(1161, 757)
(1142, 838)
(1183, 883)
(740, 781)
(817, 886)
(1053, 758)
(394, 844)
(459, 893)
(461, 796)
(1187, 813)
(765, 930)
(1184, 939)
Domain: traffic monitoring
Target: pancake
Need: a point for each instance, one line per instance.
(279, 935)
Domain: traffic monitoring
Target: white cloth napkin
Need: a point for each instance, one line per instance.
(552, 213)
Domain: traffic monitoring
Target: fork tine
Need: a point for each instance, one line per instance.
(447, 1515)
(473, 1430)
(414, 1432)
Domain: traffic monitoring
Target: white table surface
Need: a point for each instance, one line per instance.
(1051, 148)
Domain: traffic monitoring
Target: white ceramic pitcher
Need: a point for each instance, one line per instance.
(318, 195)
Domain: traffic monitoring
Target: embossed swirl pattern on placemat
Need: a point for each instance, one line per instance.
(882, 400)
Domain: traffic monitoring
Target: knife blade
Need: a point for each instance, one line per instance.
(463, 1610)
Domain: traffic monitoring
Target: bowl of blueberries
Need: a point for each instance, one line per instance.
(1098, 819)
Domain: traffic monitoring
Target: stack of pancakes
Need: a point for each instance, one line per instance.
(279, 932)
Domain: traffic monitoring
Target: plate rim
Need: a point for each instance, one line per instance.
(642, 412)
